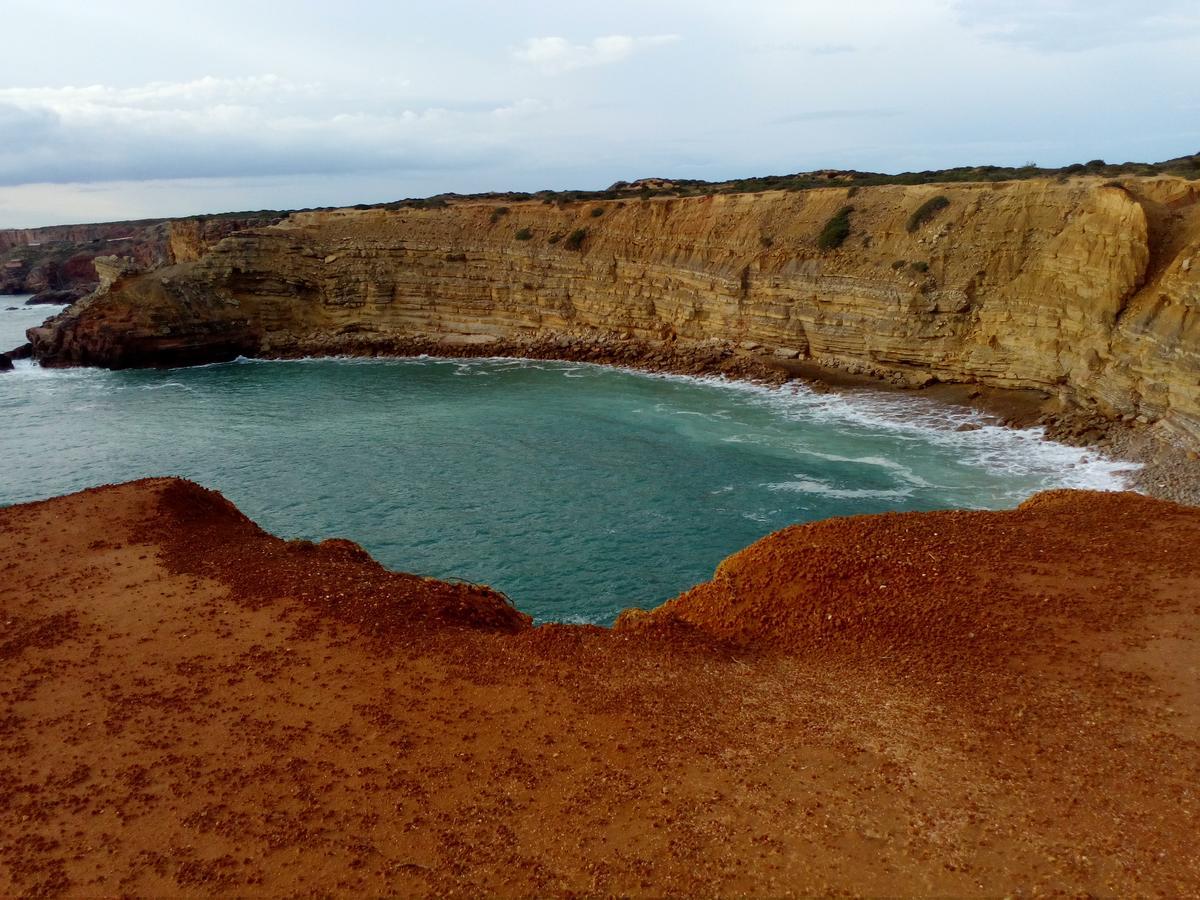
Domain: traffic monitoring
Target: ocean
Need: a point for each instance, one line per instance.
(578, 490)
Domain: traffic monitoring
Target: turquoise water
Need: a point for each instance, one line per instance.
(577, 490)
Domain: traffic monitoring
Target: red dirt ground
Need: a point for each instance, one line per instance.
(938, 703)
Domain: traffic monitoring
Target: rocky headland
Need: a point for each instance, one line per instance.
(56, 263)
(949, 703)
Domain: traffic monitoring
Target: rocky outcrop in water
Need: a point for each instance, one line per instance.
(52, 297)
(1083, 288)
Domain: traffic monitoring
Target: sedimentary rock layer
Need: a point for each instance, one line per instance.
(1079, 287)
(61, 257)
(943, 704)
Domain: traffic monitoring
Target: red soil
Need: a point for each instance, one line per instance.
(950, 703)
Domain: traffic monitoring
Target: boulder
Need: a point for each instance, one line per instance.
(57, 297)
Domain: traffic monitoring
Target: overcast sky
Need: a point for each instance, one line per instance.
(114, 110)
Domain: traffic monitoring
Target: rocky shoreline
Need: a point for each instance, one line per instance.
(1163, 464)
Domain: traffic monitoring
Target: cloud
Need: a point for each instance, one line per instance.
(26, 124)
(832, 49)
(1078, 25)
(821, 115)
(521, 109)
(228, 127)
(557, 54)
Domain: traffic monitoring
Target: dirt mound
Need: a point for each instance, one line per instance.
(940, 586)
(201, 533)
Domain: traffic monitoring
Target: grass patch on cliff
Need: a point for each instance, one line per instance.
(836, 230)
(597, 212)
(575, 239)
(523, 234)
(926, 211)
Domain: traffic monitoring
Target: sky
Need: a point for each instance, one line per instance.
(115, 110)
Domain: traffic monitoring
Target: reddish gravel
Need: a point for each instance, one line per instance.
(941, 586)
(199, 531)
(944, 703)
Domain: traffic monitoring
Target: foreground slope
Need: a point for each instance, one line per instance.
(951, 703)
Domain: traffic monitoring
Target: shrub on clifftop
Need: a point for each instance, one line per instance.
(927, 211)
(836, 230)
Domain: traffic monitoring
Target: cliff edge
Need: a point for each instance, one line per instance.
(943, 704)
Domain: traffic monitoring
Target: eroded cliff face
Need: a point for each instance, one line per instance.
(62, 257)
(1086, 289)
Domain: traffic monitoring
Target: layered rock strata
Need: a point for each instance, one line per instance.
(61, 258)
(1085, 289)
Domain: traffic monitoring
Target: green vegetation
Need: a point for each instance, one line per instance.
(424, 203)
(767, 241)
(849, 180)
(575, 239)
(927, 211)
(899, 264)
(597, 212)
(920, 266)
(499, 212)
(836, 230)
(523, 234)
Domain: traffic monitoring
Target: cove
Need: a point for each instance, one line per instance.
(577, 490)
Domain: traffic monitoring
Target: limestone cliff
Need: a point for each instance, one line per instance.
(61, 257)
(1084, 288)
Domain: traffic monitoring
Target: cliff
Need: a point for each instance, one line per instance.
(61, 257)
(934, 704)
(1084, 288)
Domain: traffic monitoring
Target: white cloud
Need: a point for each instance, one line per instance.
(225, 127)
(408, 99)
(1076, 25)
(557, 54)
(521, 109)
